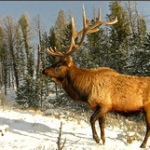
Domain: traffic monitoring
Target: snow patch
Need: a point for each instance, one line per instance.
(32, 130)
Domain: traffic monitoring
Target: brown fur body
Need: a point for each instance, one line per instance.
(104, 90)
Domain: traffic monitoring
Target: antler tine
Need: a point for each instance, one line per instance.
(75, 35)
(57, 54)
(93, 29)
(85, 24)
(104, 22)
(55, 49)
(73, 28)
(84, 18)
(99, 13)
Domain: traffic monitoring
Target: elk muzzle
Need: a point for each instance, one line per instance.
(45, 73)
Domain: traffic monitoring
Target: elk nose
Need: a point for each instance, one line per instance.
(43, 72)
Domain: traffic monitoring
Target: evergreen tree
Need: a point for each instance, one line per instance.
(98, 46)
(140, 59)
(26, 95)
(119, 37)
(20, 54)
(3, 60)
(1, 53)
(60, 26)
(137, 39)
(52, 42)
(25, 28)
(67, 35)
(137, 24)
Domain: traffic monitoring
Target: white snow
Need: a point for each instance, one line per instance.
(32, 130)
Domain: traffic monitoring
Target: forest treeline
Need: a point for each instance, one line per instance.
(124, 46)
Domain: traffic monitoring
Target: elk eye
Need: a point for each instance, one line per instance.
(58, 66)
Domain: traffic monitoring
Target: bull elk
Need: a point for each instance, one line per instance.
(102, 89)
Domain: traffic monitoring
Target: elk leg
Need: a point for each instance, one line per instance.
(102, 126)
(99, 113)
(143, 145)
(92, 121)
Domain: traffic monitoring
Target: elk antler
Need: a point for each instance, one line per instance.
(86, 29)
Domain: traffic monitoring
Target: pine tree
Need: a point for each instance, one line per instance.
(26, 95)
(51, 42)
(3, 60)
(137, 24)
(137, 39)
(140, 59)
(25, 28)
(1, 53)
(120, 31)
(20, 54)
(67, 35)
(60, 26)
(97, 44)
(119, 37)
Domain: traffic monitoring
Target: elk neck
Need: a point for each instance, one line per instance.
(77, 84)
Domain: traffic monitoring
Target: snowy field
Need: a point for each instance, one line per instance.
(33, 130)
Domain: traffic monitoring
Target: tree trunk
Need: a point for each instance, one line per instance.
(38, 61)
(14, 65)
(5, 77)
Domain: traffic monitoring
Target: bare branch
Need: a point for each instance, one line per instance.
(59, 139)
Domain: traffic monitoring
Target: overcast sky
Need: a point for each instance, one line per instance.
(48, 10)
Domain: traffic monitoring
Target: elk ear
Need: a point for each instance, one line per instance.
(69, 61)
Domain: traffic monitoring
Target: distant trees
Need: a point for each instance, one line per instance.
(10, 29)
(39, 30)
(119, 37)
(97, 43)
(3, 59)
(26, 33)
(124, 46)
(137, 39)
(60, 26)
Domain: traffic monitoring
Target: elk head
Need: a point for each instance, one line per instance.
(59, 70)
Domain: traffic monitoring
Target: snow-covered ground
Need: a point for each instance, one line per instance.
(32, 130)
